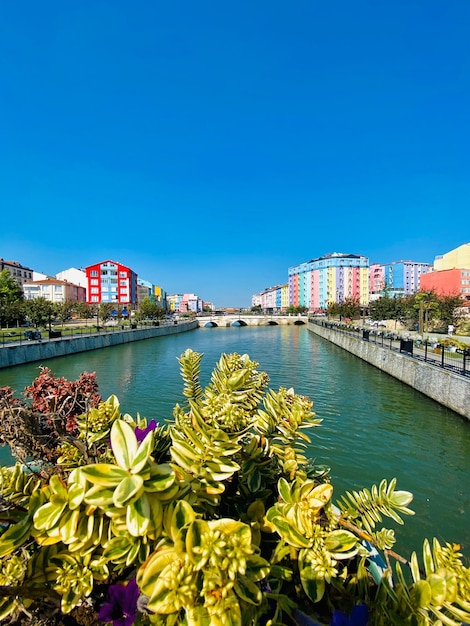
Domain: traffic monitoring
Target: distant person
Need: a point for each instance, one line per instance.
(450, 329)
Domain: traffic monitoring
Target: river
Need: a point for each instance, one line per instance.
(373, 426)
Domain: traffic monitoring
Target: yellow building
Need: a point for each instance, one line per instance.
(459, 258)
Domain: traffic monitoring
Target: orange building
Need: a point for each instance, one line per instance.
(451, 282)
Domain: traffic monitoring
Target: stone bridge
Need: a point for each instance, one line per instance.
(209, 320)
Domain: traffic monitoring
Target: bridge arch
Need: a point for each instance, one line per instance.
(272, 323)
(239, 323)
(210, 325)
(299, 323)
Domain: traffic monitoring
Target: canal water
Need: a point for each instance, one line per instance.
(373, 426)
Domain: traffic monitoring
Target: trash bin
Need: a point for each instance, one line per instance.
(365, 335)
(156, 323)
(55, 334)
(406, 345)
(133, 326)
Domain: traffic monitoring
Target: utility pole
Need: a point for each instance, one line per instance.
(421, 319)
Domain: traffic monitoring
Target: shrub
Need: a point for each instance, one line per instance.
(215, 517)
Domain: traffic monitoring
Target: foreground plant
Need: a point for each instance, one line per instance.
(217, 517)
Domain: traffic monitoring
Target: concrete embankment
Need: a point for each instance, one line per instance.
(449, 389)
(14, 354)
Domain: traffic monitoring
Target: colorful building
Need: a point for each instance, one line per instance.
(184, 303)
(273, 299)
(376, 281)
(452, 282)
(327, 279)
(458, 258)
(54, 290)
(397, 279)
(111, 282)
(451, 275)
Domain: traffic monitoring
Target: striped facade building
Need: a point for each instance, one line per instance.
(331, 278)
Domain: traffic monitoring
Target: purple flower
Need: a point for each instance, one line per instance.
(359, 617)
(141, 433)
(121, 608)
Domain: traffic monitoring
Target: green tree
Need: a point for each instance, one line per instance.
(450, 309)
(85, 311)
(150, 310)
(426, 304)
(350, 307)
(11, 298)
(104, 311)
(65, 310)
(41, 312)
(297, 309)
(333, 309)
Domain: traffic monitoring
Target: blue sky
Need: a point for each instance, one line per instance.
(211, 145)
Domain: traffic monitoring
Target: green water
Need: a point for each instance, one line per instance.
(373, 426)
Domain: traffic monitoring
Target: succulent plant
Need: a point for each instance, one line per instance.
(217, 517)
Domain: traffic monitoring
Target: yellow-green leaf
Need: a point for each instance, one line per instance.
(123, 443)
(104, 474)
(128, 490)
(138, 516)
(143, 453)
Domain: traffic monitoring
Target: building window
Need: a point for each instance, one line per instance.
(94, 281)
(94, 273)
(94, 298)
(122, 274)
(94, 290)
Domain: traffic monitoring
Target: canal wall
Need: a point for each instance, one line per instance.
(447, 388)
(12, 354)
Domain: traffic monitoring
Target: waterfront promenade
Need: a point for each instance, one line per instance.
(24, 351)
(450, 386)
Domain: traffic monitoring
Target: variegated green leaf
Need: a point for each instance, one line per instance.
(183, 514)
(287, 531)
(284, 490)
(123, 443)
(143, 453)
(128, 490)
(338, 541)
(162, 477)
(47, 516)
(313, 586)
(104, 474)
(138, 516)
(75, 495)
(99, 496)
(248, 590)
(68, 525)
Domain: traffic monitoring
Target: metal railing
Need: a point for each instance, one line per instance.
(450, 358)
(20, 336)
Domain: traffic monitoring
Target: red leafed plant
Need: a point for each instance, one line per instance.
(35, 428)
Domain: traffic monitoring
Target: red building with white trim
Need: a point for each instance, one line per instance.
(111, 282)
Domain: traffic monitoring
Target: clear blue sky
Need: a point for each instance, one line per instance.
(210, 145)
